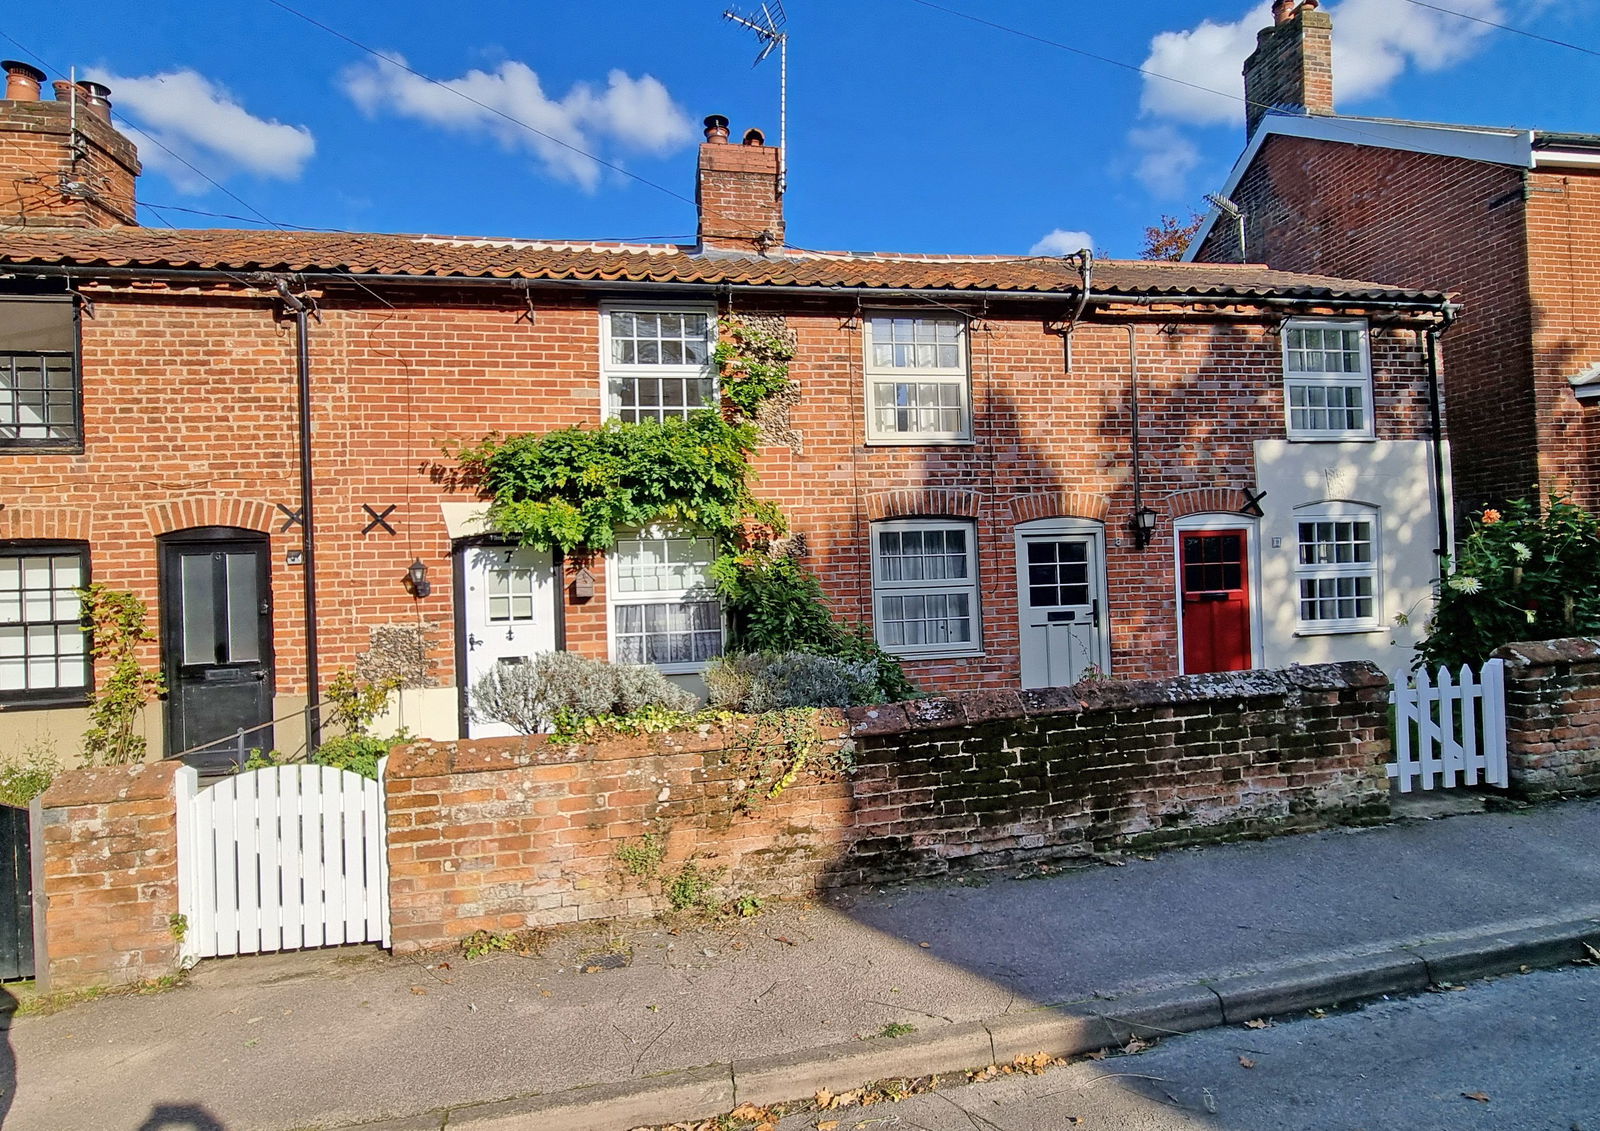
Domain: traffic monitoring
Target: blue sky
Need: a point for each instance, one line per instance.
(910, 129)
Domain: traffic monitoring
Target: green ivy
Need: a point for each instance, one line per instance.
(576, 487)
(1520, 574)
(752, 365)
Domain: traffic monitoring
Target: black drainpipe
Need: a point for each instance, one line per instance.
(1138, 472)
(1436, 424)
(303, 376)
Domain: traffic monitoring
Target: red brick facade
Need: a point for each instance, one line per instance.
(43, 184)
(1516, 245)
(1553, 717)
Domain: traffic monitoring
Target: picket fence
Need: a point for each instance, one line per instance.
(1449, 729)
(281, 858)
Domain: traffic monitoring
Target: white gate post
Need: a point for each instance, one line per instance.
(1495, 771)
(187, 785)
(382, 831)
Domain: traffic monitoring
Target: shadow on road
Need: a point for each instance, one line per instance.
(181, 1117)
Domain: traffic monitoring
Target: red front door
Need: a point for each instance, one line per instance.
(1215, 586)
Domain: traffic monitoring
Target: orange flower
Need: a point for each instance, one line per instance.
(1491, 516)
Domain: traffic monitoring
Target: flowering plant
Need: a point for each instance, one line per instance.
(1519, 574)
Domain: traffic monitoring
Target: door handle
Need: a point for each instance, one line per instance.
(1094, 612)
(260, 677)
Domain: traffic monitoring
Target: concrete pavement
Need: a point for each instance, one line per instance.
(342, 1037)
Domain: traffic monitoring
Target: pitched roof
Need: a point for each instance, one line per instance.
(434, 257)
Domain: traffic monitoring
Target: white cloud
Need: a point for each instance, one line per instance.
(634, 114)
(1162, 159)
(204, 124)
(1059, 241)
(1374, 42)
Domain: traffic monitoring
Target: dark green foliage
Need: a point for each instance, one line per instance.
(576, 487)
(359, 753)
(752, 365)
(1520, 575)
(124, 686)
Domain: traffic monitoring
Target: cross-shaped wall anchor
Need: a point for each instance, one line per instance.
(1252, 502)
(291, 518)
(378, 519)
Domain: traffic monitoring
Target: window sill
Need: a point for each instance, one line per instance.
(23, 449)
(1294, 439)
(919, 442)
(1361, 630)
(914, 657)
(45, 703)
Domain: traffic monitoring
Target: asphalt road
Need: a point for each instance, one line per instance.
(1529, 1045)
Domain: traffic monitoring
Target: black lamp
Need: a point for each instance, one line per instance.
(1143, 525)
(417, 579)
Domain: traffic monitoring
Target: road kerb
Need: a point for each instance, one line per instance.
(1482, 956)
(841, 1067)
(1318, 984)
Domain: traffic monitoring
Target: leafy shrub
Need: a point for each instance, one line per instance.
(121, 627)
(772, 682)
(359, 753)
(26, 775)
(1519, 575)
(530, 697)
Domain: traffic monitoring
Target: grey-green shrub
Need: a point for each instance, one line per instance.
(759, 682)
(527, 697)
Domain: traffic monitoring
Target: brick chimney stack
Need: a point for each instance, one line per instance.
(1292, 65)
(62, 163)
(737, 194)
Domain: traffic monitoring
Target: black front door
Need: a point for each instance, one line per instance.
(216, 644)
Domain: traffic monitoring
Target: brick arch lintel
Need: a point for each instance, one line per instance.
(1058, 504)
(209, 510)
(941, 502)
(1203, 500)
(49, 524)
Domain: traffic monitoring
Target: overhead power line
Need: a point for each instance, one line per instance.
(1505, 27)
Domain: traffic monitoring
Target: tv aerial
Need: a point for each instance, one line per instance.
(768, 26)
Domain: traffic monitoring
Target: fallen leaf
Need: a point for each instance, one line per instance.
(1074, 1119)
(750, 1113)
(1593, 953)
(784, 939)
(420, 991)
(824, 1099)
(828, 1125)
(1099, 1054)
(924, 945)
(444, 966)
(1246, 1062)
(1258, 1023)
(1479, 1096)
(1135, 1045)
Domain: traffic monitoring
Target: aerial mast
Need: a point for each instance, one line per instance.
(768, 25)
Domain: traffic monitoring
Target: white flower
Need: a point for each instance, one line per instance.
(1465, 584)
(1531, 616)
(1523, 553)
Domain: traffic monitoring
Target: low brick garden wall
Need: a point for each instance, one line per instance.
(110, 871)
(507, 834)
(1553, 717)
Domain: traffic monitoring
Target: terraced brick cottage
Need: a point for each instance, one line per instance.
(971, 442)
(1507, 219)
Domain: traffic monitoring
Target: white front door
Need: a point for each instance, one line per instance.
(509, 613)
(1061, 601)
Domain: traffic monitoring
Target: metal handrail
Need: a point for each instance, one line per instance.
(238, 736)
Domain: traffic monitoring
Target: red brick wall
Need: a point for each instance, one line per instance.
(1564, 265)
(1443, 223)
(190, 420)
(506, 834)
(737, 197)
(110, 876)
(1553, 717)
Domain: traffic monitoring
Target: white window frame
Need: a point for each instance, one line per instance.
(1325, 381)
(883, 588)
(961, 376)
(57, 693)
(1303, 571)
(615, 598)
(610, 403)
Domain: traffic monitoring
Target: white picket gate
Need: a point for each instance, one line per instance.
(1450, 730)
(282, 858)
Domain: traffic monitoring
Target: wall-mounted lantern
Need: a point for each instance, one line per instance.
(417, 579)
(1143, 525)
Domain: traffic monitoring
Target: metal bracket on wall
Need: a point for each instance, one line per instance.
(378, 519)
(1252, 502)
(291, 519)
